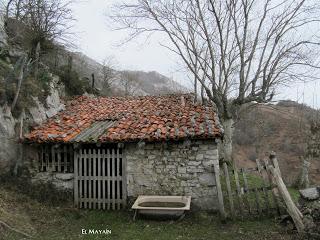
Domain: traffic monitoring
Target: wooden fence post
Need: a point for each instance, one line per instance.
(219, 190)
(291, 207)
(240, 200)
(226, 173)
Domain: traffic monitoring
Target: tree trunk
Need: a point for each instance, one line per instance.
(37, 60)
(195, 89)
(225, 148)
(20, 78)
(20, 145)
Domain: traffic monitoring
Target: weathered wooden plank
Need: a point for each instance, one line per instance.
(65, 154)
(47, 152)
(99, 175)
(246, 189)
(265, 191)
(280, 184)
(256, 193)
(80, 174)
(293, 211)
(118, 181)
(71, 150)
(226, 173)
(53, 158)
(90, 174)
(75, 178)
(274, 197)
(124, 180)
(59, 159)
(95, 178)
(103, 181)
(42, 159)
(240, 200)
(219, 191)
(113, 169)
(108, 181)
(85, 182)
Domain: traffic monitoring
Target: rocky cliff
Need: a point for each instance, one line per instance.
(9, 125)
(3, 39)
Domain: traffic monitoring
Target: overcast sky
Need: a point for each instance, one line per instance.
(96, 39)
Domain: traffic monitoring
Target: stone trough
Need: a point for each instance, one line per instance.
(164, 207)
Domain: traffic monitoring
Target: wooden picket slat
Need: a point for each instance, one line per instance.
(99, 175)
(240, 200)
(94, 181)
(113, 181)
(75, 182)
(253, 198)
(108, 172)
(89, 177)
(101, 180)
(256, 193)
(245, 182)
(265, 191)
(118, 181)
(85, 185)
(226, 172)
(81, 181)
(65, 154)
(274, 197)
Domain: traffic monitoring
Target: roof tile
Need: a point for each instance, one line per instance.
(147, 118)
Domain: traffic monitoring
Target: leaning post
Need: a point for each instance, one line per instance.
(219, 190)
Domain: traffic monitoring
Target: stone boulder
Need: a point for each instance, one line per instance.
(310, 207)
(310, 193)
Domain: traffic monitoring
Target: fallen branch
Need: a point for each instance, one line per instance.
(15, 230)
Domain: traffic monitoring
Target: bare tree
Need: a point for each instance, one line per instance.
(129, 83)
(39, 22)
(240, 51)
(109, 75)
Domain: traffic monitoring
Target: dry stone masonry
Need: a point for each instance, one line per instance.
(174, 168)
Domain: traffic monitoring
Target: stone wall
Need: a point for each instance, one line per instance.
(168, 168)
(173, 168)
(62, 181)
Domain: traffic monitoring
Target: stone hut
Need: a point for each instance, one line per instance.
(108, 150)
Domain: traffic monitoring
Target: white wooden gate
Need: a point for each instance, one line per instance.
(99, 178)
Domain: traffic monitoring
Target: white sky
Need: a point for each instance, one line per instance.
(95, 39)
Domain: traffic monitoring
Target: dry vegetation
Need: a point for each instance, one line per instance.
(283, 128)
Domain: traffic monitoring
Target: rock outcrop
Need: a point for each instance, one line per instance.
(9, 147)
(3, 36)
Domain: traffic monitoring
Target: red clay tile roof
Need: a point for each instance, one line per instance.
(148, 118)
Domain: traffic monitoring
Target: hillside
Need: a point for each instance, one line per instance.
(283, 128)
(144, 83)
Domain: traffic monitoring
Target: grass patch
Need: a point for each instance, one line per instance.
(46, 222)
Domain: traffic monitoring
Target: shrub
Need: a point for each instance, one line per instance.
(30, 87)
(43, 192)
(73, 83)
